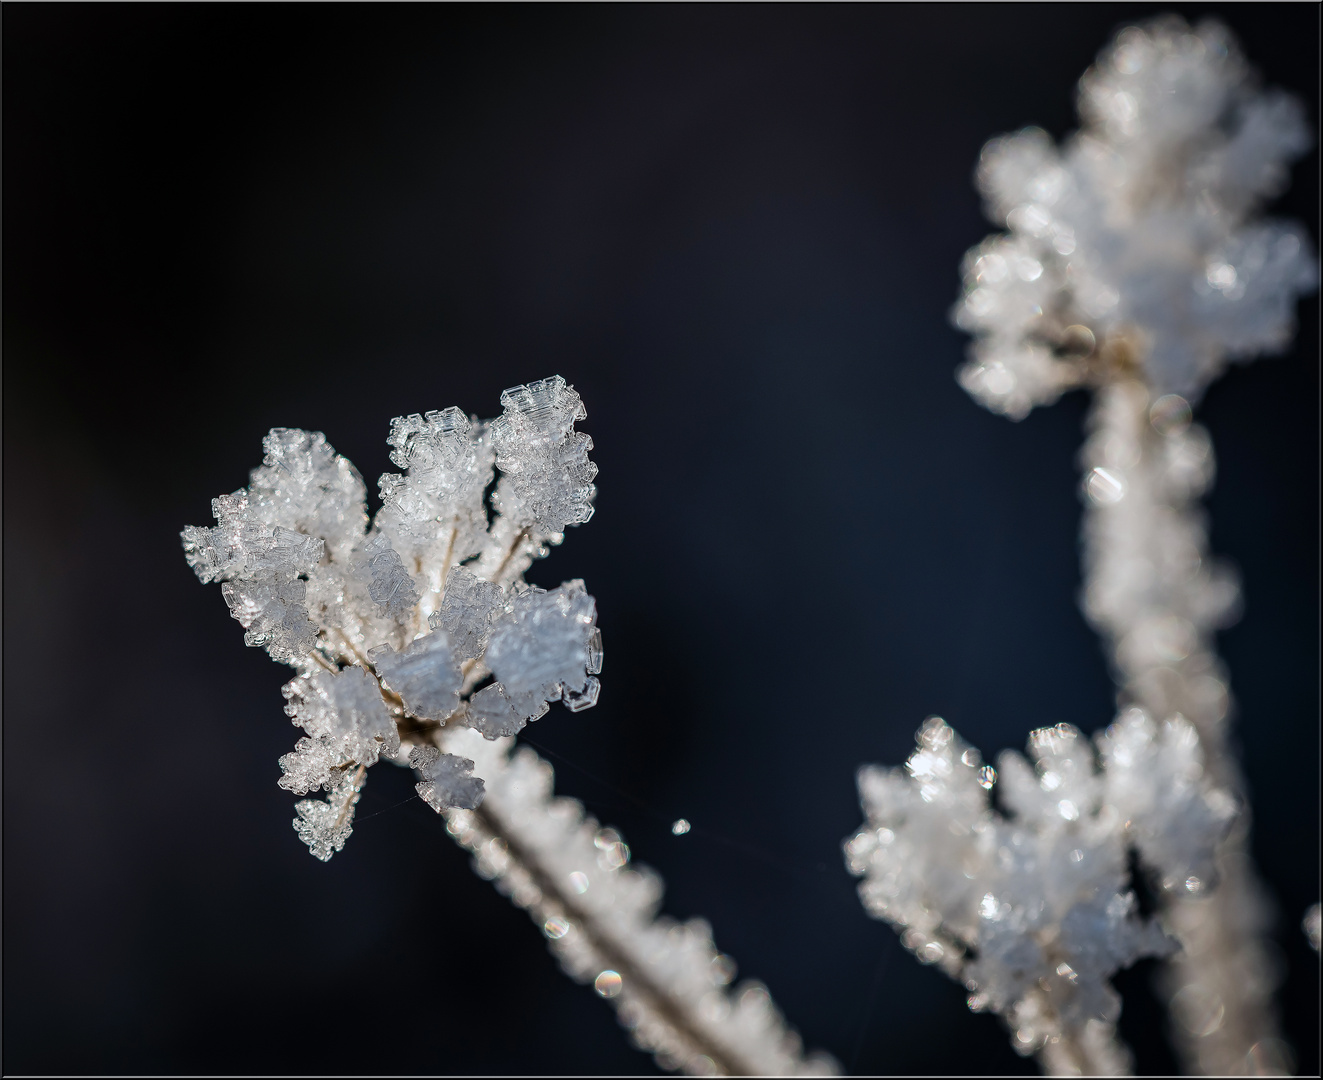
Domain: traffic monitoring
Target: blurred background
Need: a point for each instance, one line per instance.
(736, 231)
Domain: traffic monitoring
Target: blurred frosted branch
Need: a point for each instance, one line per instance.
(1133, 265)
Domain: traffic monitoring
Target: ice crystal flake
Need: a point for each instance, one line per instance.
(389, 583)
(543, 458)
(1133, 243)
(310, 766)
(540, 646)
(1041, 897)
(491, 713)
(436, 507)
(426, 675)
(387, 631)
(448, 781)
(348, 709)
(325, 825)
(304, 485)
(466, 612)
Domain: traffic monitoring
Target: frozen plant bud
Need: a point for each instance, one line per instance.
(393, 631)
(1133, 245)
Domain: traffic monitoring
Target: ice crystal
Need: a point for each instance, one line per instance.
(448, 781)
(438, 501)
(1134, 264)
(545, 461)
(1134, 243)
(539, 648)
(425, 674)
(347, 708)
(1034, 910)
(466, 612)
(390, 636)
(325, 825)
(670, 985)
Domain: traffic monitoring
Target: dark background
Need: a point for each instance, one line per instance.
(736, 230)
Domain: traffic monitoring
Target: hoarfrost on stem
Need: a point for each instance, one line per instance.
(1033, 912)
(1134, 242)
(390, 635)
(416, 640)
(1133, 265)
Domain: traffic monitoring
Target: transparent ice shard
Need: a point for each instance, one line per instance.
(491, 713)
(448, 781)
(548, 476)
(389, 583)
(466, 612)
(425, 674)
(540, 645)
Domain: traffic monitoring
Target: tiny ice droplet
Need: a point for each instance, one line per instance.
(679, 827)
(579, 880)
(608, 984)
(1104, 486)
(556, 927)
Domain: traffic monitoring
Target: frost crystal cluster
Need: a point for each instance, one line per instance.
(421, 620)
(416, 641)
(1134, 266)
(1134, 241)
(1033, 912)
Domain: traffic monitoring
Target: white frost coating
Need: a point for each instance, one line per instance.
(1134, 265)
(1042, 898)
(1157, 596)
(395, 644)
(325, 825)
(667, 980)
(346, 708)
(1136, 235)
(389, 634)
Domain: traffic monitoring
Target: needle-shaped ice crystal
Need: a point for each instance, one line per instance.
(1133, 243)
